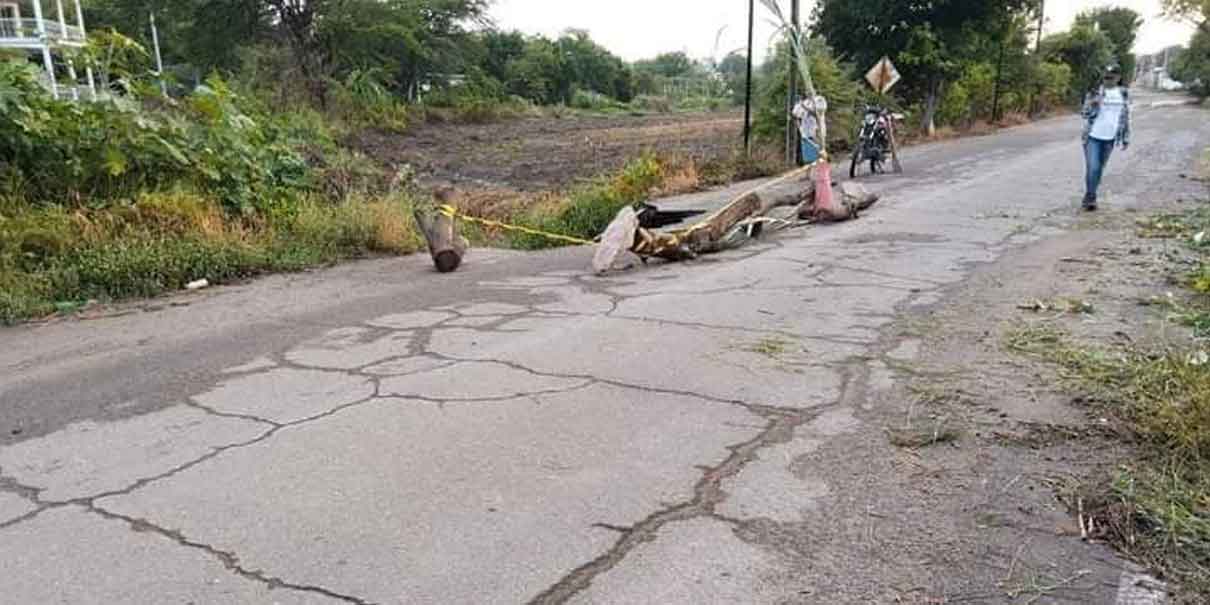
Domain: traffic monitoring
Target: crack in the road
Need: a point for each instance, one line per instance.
(708, 494)
(190, 402)
(228, 559)
(749, 330)
(495, 399)
(593, 380)
(855, 371)
(34, 493)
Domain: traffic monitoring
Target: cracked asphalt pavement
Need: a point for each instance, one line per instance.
(520, 431)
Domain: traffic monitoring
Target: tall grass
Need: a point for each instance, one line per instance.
(52, 258)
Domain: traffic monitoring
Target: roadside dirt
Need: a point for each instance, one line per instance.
(975, 482)
(542, 154)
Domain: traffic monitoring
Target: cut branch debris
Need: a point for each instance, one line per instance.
(735, 223)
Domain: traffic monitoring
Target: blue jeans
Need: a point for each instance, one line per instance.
(1096, 157)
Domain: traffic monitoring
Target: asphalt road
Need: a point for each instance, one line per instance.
(521, 431)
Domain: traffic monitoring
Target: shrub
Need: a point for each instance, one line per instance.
(361, 100)
(59, 151)
(589, 210)
(345, 173)
(652, 103)
(1192, 66)
(595, 101)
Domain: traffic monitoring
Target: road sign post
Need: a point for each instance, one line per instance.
(882, 78)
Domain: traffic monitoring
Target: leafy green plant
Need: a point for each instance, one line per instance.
(586, 212)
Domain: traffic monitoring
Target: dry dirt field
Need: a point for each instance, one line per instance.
(541, 154)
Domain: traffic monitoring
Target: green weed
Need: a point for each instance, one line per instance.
(1160, 510)
(589, 210)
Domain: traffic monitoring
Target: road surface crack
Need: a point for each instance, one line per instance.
(228, 559)
(708, 494)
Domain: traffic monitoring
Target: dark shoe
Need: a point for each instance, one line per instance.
(1090, 203)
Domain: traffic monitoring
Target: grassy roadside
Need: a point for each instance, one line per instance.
(56, 259)
(1154, 507)
(59, 258)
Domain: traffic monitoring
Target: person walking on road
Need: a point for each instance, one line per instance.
(1106, 125)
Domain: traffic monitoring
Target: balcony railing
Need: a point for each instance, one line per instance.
(25, 31)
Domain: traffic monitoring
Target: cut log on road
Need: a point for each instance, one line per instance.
(730, 226)
(446, 246)
(854, 199)
(711, 234)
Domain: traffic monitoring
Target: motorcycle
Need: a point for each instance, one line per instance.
(874, 139)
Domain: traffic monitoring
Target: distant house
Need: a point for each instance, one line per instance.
(41, 29)
(1153, 70)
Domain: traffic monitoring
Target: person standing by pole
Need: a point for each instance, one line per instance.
(1106, 125)
(808, 113)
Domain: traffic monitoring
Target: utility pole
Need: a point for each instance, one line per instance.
(159, 60)
(748, 85)
(793, 149)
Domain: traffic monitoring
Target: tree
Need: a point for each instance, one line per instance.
(499, 50)
(1196, 11)
(206, 34)
(326, 39)
(668, 65)
(734, 71)
(1121, 26)
(925, 38)
(590, 66)
(832, 80)
(1192, 65)
(1086, 51)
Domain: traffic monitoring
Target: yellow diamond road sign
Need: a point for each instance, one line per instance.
(883, 77)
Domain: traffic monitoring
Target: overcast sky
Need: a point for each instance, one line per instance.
(637, 29)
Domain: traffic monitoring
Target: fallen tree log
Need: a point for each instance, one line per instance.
(706, 237)
(446, 246)
(854, 199)
(725, 228)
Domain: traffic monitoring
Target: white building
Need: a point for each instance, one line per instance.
(1153, 70)
(41, 28)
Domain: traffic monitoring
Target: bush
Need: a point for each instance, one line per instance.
(1055, 82)
(59, 151)
(588, 211)
(652, 103)
(362, 101)
(700, 104)
(345, 173)
(1192, 66)
(594, 101)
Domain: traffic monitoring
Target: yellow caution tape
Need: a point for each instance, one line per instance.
(453, 212)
